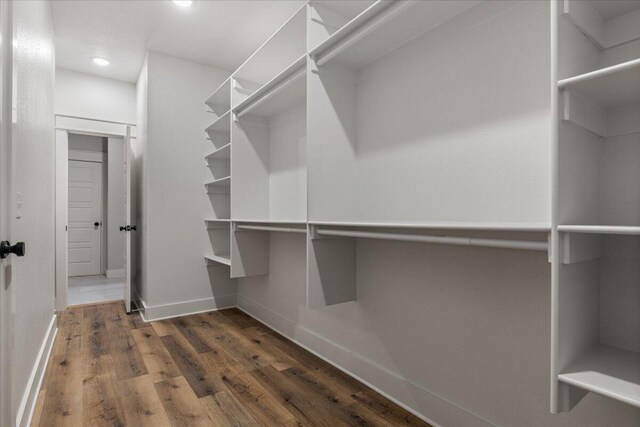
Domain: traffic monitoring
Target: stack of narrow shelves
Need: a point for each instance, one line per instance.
(219, 163)
(596, 327)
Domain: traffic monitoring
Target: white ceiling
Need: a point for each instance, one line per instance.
(215, 32)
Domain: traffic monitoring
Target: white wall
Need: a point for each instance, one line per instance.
(84, 95)
(115, 207)
(33, 276)
(175, 201)
(460, 335)
(139, 148)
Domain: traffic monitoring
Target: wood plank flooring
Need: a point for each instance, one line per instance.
(223, 368)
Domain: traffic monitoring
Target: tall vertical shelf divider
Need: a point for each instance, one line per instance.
(596, 279)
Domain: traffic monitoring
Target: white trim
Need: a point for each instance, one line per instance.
(30, 396)
(185, 308)
(115, 273)
(392, 385)
(88, 156)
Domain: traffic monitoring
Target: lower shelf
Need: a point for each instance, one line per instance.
(219, 259)
(608, 371)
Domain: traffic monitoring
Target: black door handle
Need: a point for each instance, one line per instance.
(123, 228)
(133, 227)
(6, 249)
(96, 224)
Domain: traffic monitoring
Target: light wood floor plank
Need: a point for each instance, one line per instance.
(141, 403)
(155, 356)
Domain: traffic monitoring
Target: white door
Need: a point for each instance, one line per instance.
(85, 217)
(131, 228)
(5, 212)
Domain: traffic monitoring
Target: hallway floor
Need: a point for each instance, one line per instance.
(94, 289)
(213, 369)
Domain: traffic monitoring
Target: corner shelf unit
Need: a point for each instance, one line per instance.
(595, 326)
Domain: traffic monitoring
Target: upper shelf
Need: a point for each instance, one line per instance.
(605, 23)
(221, 124)
(614, 86)
(220, 100)
(382, 27)
(222, 153)
(608, 371)
(286, 45)
(283, 91)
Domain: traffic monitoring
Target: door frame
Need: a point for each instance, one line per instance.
(66, 124)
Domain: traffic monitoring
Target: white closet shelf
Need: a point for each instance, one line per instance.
(529, 227)
(608, 371)
(269, 221)
(221, 96)
(222, 153)
(278, 227)
(218, 224)
(222, 220)
(284, 90)
(224, 259)
(222, 182)
(221, 124)
(354, 30)
(615, 86)
(382, 27)
(600, 229)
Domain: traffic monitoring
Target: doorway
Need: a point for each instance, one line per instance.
(93, 213)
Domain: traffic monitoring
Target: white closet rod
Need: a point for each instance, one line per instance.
(362, 31)
(275, 89)
(599, 73)
(268, 228)
(462, 241)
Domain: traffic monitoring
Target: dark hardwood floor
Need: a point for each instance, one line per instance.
(215, 369)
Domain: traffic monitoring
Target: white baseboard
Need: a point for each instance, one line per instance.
(392, 385)
(115, 273)
(185, 308)
(30, 396)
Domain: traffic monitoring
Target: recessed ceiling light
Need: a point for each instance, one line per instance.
(183, 3)
(100, 61)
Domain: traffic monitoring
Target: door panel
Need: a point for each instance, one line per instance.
(85, 209)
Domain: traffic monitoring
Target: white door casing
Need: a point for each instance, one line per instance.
(85, 210)
(129, 219)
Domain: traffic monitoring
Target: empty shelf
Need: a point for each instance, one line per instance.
(221, 97)
(614, 86)
(222, 153)
(224, 259)
(221, 124)
(600, 229)
(289, 86)
(532, 227)
(284, 227)
(382, 27)
(608, 371)
(219, 186)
